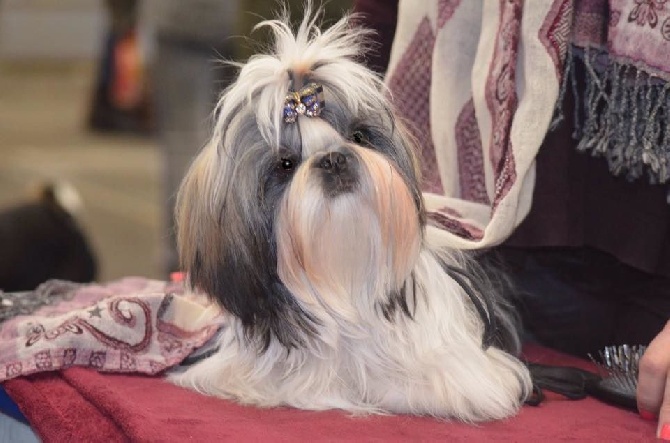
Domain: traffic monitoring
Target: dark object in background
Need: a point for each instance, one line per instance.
(41, 240)
(120, 102)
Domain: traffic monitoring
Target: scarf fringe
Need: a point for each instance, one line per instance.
(621, 113)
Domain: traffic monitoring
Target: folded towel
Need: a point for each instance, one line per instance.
(80, 404)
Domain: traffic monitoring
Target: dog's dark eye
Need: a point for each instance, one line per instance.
(286, 164)
(359, 137)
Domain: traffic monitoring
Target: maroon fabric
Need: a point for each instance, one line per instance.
(577, 202)
(379, 15)
(58, 412)
(82, 405)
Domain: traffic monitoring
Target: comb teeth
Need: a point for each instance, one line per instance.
(619, 366)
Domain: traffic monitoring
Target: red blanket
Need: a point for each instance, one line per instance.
(83, 405)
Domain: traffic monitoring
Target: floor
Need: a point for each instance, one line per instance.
(43, 108)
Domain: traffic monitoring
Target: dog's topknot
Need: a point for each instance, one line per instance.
(330, 57)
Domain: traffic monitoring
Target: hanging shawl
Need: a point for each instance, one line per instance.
(625, 48)
(480, 83)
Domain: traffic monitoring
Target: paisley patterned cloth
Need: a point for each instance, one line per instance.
(459, 73)
(133, 325)
(480, 83)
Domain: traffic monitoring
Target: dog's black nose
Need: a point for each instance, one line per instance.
(335, 162)
(338, 170)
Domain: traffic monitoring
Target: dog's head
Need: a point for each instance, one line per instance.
(305, 203)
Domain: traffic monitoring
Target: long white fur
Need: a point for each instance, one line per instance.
(432, 364)
(340, 258)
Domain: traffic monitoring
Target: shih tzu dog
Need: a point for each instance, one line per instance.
(304, 220)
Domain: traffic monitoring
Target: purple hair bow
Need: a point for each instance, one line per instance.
(308, 101)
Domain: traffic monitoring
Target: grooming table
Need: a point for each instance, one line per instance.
(79, 404)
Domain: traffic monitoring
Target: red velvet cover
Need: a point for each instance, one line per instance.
(83, 405)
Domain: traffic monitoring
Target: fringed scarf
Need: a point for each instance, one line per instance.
(481, 82)
(624, 110)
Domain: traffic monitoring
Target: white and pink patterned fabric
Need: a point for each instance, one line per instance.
(133, 325)
(479, 82)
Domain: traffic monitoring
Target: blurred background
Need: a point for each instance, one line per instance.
(114, 97)
(50, 53)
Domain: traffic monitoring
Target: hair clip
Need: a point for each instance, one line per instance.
(308, 101)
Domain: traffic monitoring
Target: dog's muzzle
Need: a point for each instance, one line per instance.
(338, 170)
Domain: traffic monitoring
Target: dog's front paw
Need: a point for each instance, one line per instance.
(501, 391)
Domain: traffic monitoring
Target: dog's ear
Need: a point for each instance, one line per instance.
(226, 245)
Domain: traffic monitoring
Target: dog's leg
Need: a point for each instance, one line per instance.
(440, 365)
(492, 388)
